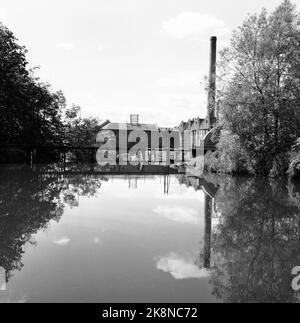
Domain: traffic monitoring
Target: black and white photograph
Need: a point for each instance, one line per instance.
(149, 155)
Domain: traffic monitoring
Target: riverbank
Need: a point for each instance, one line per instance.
(234, 160)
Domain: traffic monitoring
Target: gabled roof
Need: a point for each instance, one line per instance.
(130, 126)
(194, 124)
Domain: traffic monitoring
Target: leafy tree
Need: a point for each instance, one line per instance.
(260, 85)
(230, 157)
(29, 112)
(80, 132)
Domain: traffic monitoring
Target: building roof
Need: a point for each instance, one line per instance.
(194, 124)
(175, 129)
(131, 126)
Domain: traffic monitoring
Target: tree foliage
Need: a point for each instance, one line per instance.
(260, 89)
(31, 114)
(29, 111)
(230, 157)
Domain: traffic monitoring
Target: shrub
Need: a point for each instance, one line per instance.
(211, 162)
(229, 158)
(294, 168)
(280, 165)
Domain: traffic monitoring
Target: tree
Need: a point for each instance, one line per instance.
(260, 93)
(80, 132)
(29, 112)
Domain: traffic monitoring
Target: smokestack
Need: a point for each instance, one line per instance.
(211, 104)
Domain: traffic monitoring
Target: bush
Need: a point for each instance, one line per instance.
(230, 157)
(294, 168)
(280, 165)
(211, 162)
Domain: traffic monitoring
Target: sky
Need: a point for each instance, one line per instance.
(119, 57)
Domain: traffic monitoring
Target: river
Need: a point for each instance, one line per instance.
(80, 236)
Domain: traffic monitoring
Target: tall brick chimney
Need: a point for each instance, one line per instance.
(211, 103)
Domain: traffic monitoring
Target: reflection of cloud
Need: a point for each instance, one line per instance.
(188, 24)
(181, 267)
(178, 214)
(96, 240)
(62, 241)
(183, 193)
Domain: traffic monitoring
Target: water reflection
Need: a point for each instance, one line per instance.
(256, 242)
(28, 202)
(247, 243)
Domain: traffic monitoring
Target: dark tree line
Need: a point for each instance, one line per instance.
(30, 113)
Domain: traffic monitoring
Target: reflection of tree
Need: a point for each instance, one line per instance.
(256, 242)
(28, 202)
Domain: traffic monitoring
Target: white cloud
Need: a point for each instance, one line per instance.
(186, 104)
(101, 47)
(66, 46)
(182, 80)
(62, 241)
(178, 214)
(3, 15)
(181, 267)
(188, 24)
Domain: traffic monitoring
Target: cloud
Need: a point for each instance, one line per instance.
(178, 214)
(186, 104)
(62, 241)
(181, 267)
(187, 24)
(66, 46)
(181, 80)
(3, 15)
(101, 47)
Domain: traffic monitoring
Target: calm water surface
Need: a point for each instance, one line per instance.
(83, 237)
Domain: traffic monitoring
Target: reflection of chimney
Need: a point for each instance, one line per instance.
(212, 82)
(207, 230)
